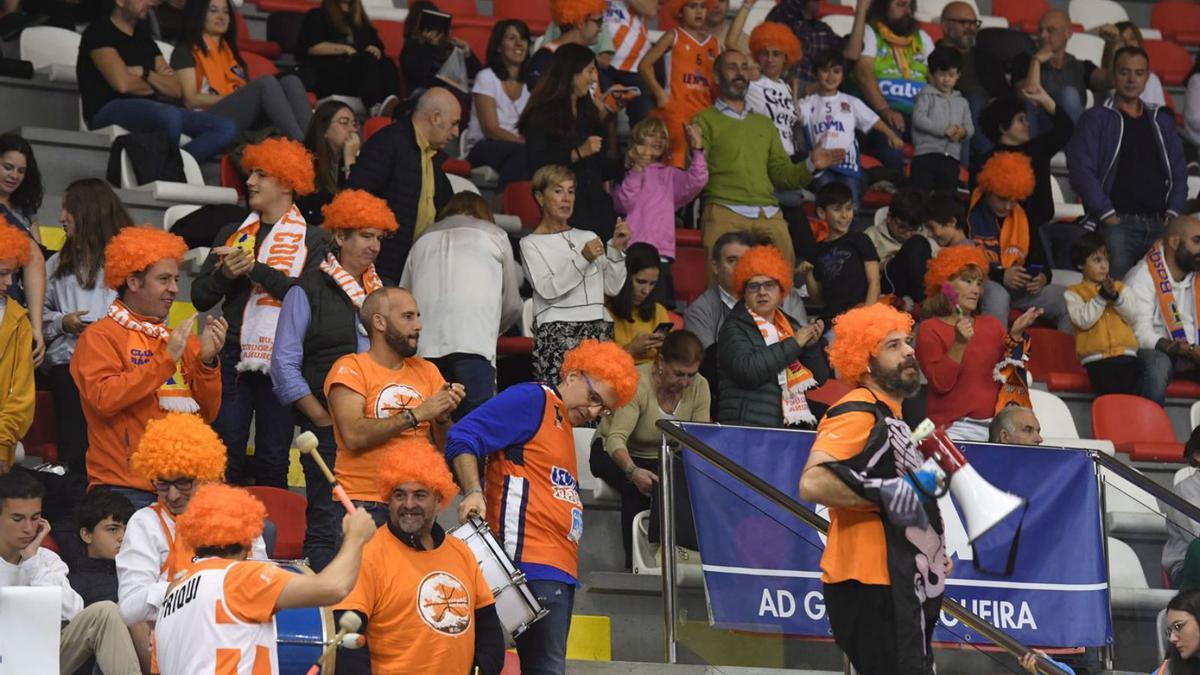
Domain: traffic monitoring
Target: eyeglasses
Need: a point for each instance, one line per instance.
(181, 484)
(1175, 628)
(756, 286)
(966, 23)
(594, 398)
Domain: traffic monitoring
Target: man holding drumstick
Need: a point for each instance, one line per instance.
(533, 504)
(427, 606)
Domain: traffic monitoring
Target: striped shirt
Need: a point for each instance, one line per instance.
(630, 38)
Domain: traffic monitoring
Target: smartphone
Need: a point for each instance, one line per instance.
(630, 92)
(1033, 270)
(664, 328)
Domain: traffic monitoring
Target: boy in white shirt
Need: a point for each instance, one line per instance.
(92, 632)
(830, 119)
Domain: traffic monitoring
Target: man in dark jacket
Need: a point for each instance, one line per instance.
(402, 165)
(252, 266)
(1126, 162)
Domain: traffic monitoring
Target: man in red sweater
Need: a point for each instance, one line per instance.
(130, 368)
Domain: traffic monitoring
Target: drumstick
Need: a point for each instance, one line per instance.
(349, 622)
(307, 443)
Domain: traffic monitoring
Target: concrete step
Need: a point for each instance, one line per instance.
(632, 668)
(38, 102)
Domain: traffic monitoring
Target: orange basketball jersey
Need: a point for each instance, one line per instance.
(533, 495)
(689, 77)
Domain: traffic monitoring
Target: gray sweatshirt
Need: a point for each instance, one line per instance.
(932, 113)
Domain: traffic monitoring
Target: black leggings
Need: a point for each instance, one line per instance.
(68, 414)
(1116, 375)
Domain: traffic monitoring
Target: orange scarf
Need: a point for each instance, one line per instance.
(218, 71)
(794, 379)
(179, 554)
(901, 48)
(1013, 246)
(352, 289)
(144, 340)
(1163, 292)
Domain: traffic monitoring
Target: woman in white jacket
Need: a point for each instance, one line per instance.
(571, 272)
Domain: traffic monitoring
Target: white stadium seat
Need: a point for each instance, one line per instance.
(194, 191)
(1063, 210)
(1094, 13)
(1086, 47)
(1128, 590)
(460, 184)
(52, 51)
(647, 557)
(1195, 415)
(841, 24)
(931, 10)
(1130, 510)
(1053, 415)
(583, 453)
(1067, 277)
(195, 257)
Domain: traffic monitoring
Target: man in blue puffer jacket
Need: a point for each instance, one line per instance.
(1126, 163)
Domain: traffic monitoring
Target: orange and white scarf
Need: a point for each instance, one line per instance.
(144, 340)
(1010, 373)
(283, 250)
(794, 379)
(1156, 264)
(357, 293)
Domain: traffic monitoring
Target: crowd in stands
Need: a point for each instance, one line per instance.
(361, 298)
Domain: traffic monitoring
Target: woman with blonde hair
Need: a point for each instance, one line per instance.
(76, 295)
(571, 272)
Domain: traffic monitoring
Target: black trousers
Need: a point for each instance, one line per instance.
(72, 426)
(934, 172)
(904, 274)
(1116, 375)
(862, 618)
(633, 501)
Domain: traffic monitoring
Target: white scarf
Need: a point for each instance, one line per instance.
(144, 338)
(794, 379)
(349, 286)
(284, 250)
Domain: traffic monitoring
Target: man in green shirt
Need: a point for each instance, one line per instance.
(747, 163)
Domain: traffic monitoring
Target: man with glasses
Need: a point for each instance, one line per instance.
(532, 495)
(176, 455)
(960, 26)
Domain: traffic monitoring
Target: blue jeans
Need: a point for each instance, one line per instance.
(324, 515)
(543, 647)
(244, 396)
(472, 371)
(1129, 239)
(1155, 372)
(139, 498)
(210, 133)
(980, 145)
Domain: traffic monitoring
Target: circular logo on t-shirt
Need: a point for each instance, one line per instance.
(394, 398)
(443, 603)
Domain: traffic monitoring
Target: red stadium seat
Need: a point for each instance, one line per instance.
(1178, 21)
(688, 237)
(1052, 360)
(934, 30)
(1137, 426)
(372, 125)
(286, 509)
(459, 9)
(1183, 389)
(458, 167)
(50, 545)
(665, 21)
(514, 344)
(1021, 14)
(827, 9)
(42, 438)
(1171, 62)
(676, 321)
(830, 392)
(689, 272)
(392, 34)
(231, 177)
(249, 44)
(258, 65)
(518, 201)
(302, 6)
(476, 31)
(532, 12)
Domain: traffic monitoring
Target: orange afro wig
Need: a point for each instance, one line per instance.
(674, 7)
(607, 362)
(857, 334)
(358, 210)
(415, 460)
(573, 12)
(1008, 175)
(179, 445)
(774, 35)
(135, 249)
(221, 515)
(949, 262)
(284, 160)
(764, 261)
(14, 244)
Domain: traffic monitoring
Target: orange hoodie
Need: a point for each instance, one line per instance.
(118, 397)
(16, 376)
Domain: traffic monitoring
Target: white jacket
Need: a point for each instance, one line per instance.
(43, 569)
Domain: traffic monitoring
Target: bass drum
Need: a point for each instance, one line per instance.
(302, 634)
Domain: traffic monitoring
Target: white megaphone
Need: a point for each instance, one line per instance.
(982, 504)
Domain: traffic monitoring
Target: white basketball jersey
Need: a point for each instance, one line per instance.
(217, 619)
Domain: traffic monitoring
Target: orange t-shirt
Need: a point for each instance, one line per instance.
(386, 393)
(855, 547)
(420, 605)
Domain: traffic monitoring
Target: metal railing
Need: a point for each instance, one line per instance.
(1183, 506)
(805, 514)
